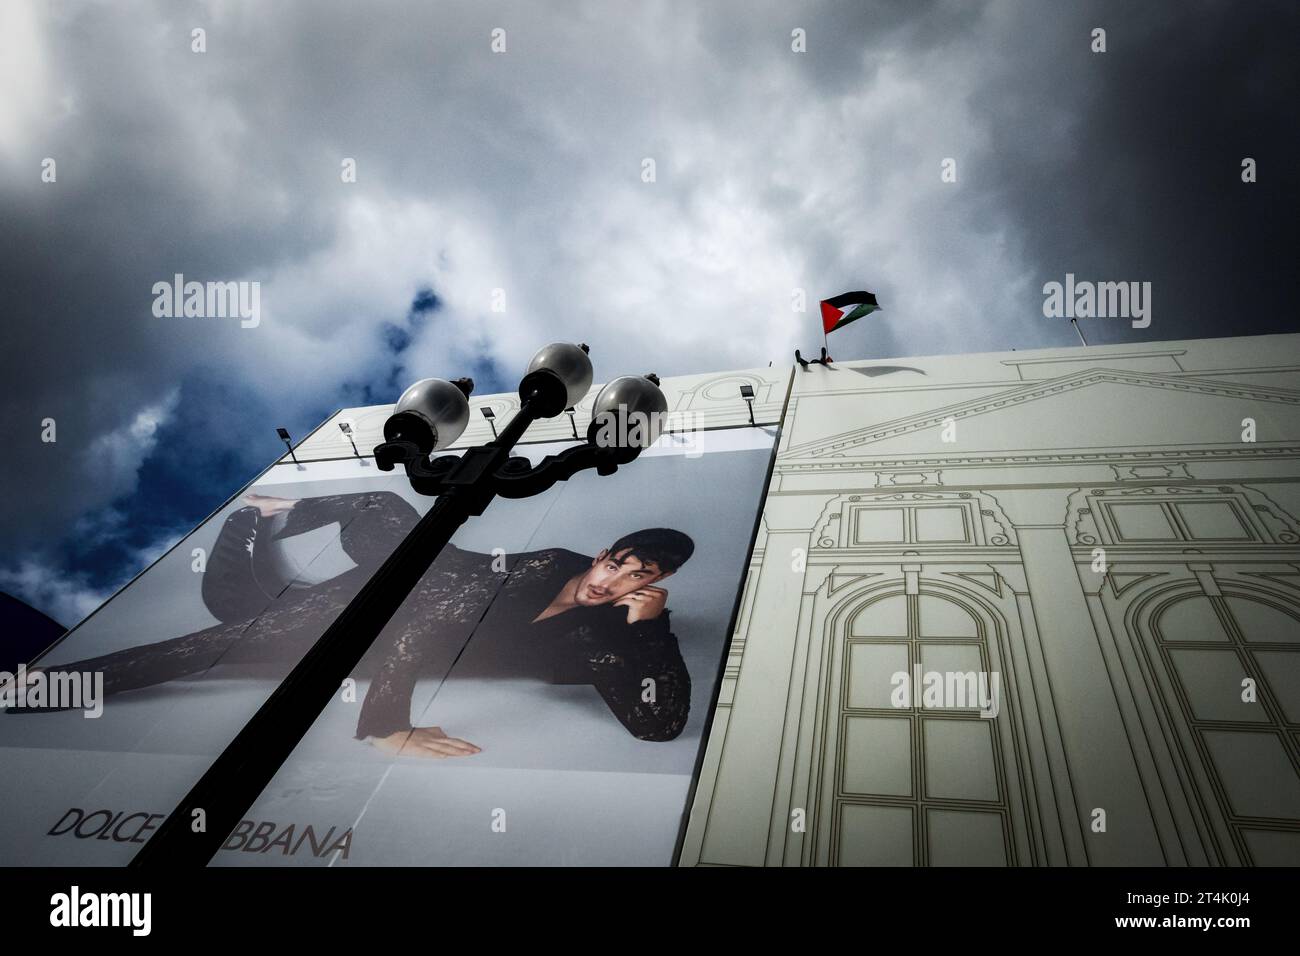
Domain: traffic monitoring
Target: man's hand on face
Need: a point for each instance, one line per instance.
(643, 604)
(425, 742)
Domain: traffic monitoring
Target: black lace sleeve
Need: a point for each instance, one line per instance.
(372, 522)
(639, 672)
(387, 707)
(437, 618)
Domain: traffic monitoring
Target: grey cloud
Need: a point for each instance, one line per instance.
(521, 171)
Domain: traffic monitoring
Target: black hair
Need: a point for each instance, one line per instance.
(663, 547)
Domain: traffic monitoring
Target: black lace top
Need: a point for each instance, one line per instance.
(461, 598)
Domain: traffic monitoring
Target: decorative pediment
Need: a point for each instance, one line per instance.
(1229, 514)
(912, 520)
(845, 443)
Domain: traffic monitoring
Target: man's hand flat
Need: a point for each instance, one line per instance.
(425, 742)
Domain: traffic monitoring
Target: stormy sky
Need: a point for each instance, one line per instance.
(522, 171)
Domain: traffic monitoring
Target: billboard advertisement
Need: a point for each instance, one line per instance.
(540, 698)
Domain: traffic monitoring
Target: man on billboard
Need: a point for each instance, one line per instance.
(552, 614)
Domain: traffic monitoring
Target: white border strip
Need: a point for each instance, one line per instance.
(688, 444)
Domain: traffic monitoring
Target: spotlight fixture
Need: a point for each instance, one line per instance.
(490, 415)
(346, 429)
(284, 437)
(747, 393)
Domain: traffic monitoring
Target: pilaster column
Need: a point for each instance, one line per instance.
(740, 809)
(1099, 757)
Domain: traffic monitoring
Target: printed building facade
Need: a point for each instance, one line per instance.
(1122, 737)
(1149, 712)
(1091, 557)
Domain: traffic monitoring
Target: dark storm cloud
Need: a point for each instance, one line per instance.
(1127, 164)
(522, 172)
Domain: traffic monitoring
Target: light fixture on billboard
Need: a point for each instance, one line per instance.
(430, 415)
(284, 437)
(489, 415)
(572, 423)
(747, 393)
(346, 429)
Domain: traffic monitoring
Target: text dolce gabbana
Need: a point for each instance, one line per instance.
(249, 837)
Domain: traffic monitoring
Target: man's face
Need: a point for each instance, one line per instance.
(614, 575)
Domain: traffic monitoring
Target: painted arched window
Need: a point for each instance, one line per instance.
(923, 783)
(1214, 648)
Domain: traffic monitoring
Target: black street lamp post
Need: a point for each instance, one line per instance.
(429, 416)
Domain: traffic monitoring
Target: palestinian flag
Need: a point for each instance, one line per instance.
(839, 311)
